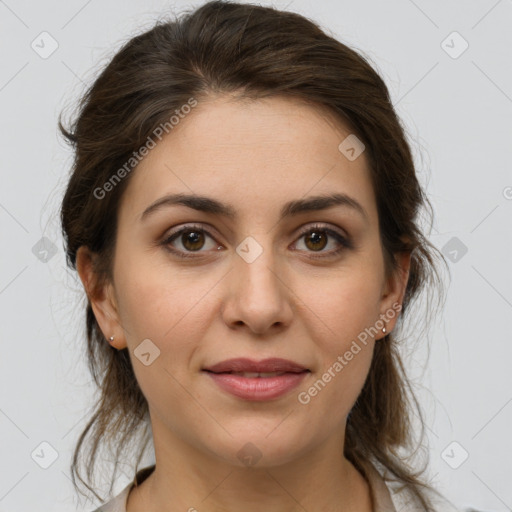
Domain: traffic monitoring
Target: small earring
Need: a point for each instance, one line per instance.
(111, 338)
(384, 330)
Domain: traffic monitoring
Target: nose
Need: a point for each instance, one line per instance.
(258, 296)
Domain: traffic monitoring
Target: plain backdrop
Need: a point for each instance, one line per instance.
(448, 68)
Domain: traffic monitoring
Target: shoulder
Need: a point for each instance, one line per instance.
(405, 499)
(392, 495)
(118, 503)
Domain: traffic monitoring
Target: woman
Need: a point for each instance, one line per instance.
(242, 213)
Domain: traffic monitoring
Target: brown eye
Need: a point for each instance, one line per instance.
(192, 240)
(316, 240)
(188, 240)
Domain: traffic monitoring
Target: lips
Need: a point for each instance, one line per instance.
(264, 380)
(250, 368)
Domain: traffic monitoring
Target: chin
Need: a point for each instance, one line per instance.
(257, 449)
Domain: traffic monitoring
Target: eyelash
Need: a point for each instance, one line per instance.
(344, 242)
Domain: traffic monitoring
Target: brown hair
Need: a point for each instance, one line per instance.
(254, 52)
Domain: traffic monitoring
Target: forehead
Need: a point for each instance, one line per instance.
(255, 154)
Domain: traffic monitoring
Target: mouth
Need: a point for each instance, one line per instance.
(257, 381)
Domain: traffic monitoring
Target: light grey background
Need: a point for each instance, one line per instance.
(458, 113)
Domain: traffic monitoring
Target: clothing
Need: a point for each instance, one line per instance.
(387, 496)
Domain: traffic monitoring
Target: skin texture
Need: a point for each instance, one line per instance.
(290, 302)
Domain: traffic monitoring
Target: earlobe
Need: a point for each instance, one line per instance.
(101, 297)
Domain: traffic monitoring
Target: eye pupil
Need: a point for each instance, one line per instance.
(316, 237)
(192, 236)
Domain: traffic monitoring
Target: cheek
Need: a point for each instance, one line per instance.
(172, 314)
(345, 353)
(344, 304)
(340, 313)
(170, 309)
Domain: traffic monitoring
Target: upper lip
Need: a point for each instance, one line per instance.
(243, 364)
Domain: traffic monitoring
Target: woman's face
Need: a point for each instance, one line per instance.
(254, 284)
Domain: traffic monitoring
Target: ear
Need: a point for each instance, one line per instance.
(102, 298)
(394, 290)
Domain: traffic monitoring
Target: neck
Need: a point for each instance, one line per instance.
(185, 480)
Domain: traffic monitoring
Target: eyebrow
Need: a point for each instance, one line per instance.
(210, 205)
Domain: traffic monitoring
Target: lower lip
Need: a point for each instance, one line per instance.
(257, 388)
